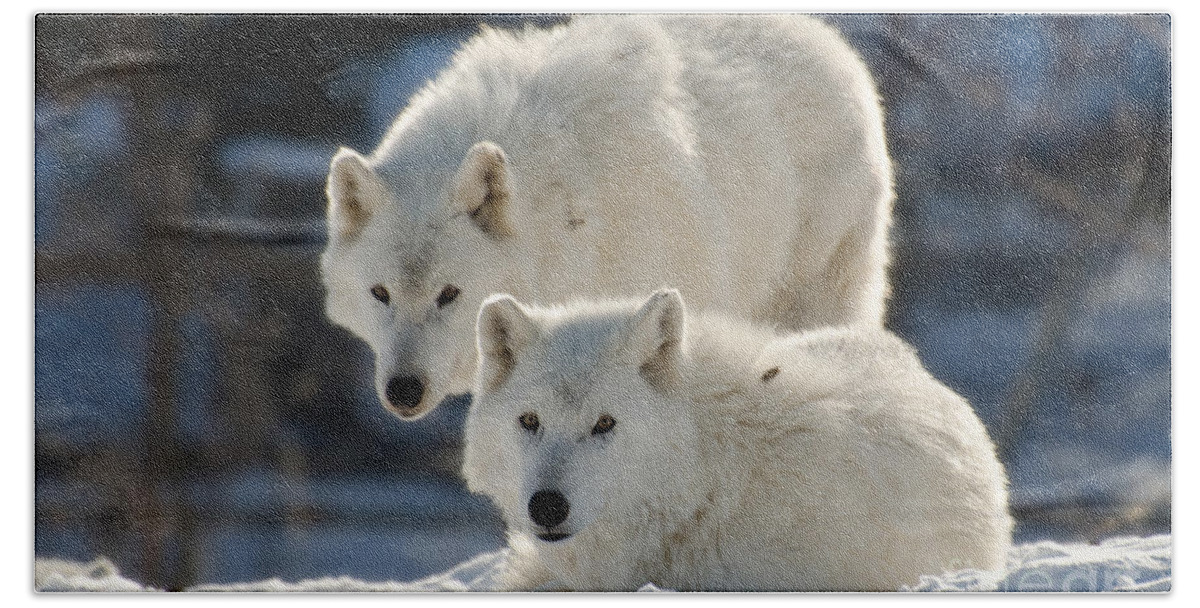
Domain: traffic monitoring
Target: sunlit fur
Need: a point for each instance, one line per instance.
(850, 468)
(739, 158)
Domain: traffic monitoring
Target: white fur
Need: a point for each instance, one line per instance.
(740, 459)
(740, 158)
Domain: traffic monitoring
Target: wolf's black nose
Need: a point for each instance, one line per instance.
(548, 508)
(405, 392)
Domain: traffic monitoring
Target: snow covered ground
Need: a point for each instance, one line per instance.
(1117, 564)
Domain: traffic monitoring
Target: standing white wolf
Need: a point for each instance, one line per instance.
(628, 444)
(740, 158)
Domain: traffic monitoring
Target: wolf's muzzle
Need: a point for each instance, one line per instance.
(548, 508)
(405, 392)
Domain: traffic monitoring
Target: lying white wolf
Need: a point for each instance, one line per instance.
(628, 444)
(740, 158)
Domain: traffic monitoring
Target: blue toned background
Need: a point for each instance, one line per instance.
(199, 421)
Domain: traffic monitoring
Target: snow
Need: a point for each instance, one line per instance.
(98, 575)
(1118, 564)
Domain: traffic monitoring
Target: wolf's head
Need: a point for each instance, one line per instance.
(575, 418)
(410, 255)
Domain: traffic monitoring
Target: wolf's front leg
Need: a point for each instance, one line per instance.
(525, 572)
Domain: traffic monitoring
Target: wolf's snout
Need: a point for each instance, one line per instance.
(405, 392)
(548, 508)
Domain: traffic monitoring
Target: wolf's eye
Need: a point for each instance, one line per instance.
(529, 421)
(449, 293)
(381, 293)
(604, 425)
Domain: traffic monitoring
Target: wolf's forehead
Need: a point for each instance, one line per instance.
(400, 254)
(416, 263)
(576, 353)
(578, 344)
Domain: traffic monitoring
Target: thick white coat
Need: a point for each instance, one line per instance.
(739, 158)
(740, 459)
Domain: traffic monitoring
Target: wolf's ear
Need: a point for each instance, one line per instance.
(502, 330)
(481, 189)
(354, 192)
(655, 337)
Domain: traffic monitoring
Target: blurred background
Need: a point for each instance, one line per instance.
(197, 420)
